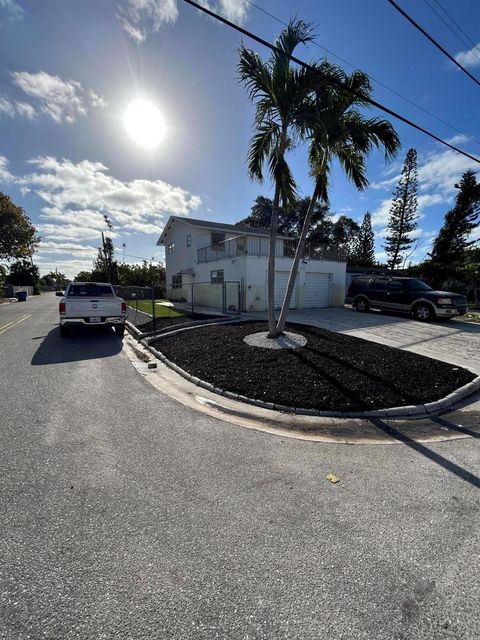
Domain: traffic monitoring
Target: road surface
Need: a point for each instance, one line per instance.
(127, 515)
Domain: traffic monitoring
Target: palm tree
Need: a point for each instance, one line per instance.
(281, 96)
(338, 131)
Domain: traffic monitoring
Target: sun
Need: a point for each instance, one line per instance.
(144, 123)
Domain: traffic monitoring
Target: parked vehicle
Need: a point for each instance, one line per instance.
(92, 304)
(407, 295)
(60, 294)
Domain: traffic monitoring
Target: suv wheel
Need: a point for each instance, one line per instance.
(362, 305)
(423, 312)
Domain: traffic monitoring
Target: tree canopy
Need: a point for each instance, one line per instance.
(18, 236)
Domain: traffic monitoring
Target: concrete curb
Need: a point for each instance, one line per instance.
(409, 411)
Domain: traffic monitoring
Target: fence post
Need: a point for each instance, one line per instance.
(153, 306)
(192, 297)
(224, 298)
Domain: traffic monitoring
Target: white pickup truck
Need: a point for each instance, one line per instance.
(91, 304)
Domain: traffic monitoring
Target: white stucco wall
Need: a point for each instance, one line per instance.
(249, 270)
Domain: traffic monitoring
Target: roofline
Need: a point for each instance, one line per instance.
(247, 231)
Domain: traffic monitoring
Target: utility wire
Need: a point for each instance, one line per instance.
(385, 86)
(448, 25)
(433, 41)
(329, 79)
(452, 19)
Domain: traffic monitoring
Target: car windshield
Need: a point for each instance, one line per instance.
(90, 291)
(418, 285)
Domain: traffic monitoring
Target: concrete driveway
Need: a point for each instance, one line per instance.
(454, 341)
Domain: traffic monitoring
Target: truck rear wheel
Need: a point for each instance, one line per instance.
(64, 331)
(120, 330)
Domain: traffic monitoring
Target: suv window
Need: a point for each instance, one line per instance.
(396, 285)
(380, 284)
(418, 285)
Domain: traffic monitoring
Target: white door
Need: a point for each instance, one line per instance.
(281, 281)
(316, 290)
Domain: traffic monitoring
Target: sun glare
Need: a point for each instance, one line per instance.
(144, 123)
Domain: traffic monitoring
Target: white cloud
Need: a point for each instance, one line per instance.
(139, 18)
(13, 9)
(469, 58)
(69, 248)
(5, 175)
(97, 101)
(62, 100)
(10, 109)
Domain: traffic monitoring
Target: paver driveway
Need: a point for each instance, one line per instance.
(452, 341)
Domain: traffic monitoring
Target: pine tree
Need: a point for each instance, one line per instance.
(403, 212)
(363, 253)
(452, 241)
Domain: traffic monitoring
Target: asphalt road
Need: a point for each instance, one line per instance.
(127, 515)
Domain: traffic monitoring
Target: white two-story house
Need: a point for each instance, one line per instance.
(225, 265)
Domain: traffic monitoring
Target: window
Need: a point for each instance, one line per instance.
(418, 285)
(177, 281)
(396, 285)
(189, 240)
(216, 277)
(380, 284)
(218, 241)
(171, 247)
(90, 290)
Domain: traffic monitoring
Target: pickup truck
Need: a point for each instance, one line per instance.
(91, 304)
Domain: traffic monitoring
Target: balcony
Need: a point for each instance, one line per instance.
(258, 247)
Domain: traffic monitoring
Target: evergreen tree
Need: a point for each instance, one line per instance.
(403, 212)
(452, 242)
(364, 250)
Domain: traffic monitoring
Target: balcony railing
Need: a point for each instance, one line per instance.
(258, 247)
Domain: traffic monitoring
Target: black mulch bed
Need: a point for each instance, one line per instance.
(144, 322)
(333, 372)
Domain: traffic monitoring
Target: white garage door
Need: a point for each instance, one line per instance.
(316, 290)
(281, 281)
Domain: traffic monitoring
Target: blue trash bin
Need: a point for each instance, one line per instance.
(21, 296)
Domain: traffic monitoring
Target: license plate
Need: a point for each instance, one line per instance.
(95, 319)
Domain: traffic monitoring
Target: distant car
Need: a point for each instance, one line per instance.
(92, 303)
(407, 295)
(60, 294)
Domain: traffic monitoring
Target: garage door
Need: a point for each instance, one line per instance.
(281, 281)
(316, 290)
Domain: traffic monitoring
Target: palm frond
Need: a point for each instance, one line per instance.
(262, 145)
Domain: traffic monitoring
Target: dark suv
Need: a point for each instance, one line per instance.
(408, 295)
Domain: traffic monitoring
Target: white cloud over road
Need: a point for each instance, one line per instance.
(12, 9)
(60, 99)
(76, 196)
(470, 58)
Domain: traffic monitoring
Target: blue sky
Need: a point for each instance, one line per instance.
(70, 69)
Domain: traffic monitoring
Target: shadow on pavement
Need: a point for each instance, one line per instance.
(82, 344)
(428, 453)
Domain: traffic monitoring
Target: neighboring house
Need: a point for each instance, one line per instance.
(225, 265)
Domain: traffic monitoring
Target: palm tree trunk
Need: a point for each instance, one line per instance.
(271, 265)
(280, 328)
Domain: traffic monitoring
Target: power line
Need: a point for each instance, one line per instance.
(457, 25)
(329, 79)
(385, 86)
(433, 41)
(447, 24)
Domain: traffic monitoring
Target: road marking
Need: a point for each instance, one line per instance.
(12, 324)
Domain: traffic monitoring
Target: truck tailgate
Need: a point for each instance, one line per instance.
(90, 307)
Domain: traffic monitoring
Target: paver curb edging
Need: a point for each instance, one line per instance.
(409, 411)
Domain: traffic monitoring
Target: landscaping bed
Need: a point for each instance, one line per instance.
(333, 372)
(144, 322)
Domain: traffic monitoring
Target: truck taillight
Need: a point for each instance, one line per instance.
(61, 307)
(124, 307)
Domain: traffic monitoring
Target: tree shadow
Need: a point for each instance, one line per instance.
(428, 453)
(83, 343)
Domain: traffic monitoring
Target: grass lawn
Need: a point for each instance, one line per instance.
(161, 310)
(471, 316)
